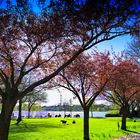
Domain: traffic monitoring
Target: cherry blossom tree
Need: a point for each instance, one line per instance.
(124, 86)
(86, 78)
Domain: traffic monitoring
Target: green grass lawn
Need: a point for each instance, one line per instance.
(52, 129)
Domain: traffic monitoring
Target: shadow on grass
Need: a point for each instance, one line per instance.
(32, 127)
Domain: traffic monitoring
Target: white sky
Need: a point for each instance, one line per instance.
(118, 44)
(65, 95)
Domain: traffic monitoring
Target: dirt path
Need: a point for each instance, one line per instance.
(134, 136)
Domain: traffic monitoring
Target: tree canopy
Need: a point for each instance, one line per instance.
(124, 85)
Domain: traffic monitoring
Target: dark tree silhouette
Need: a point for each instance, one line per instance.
(86, 78)
(124, 86)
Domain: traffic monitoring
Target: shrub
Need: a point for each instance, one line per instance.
(113, 113)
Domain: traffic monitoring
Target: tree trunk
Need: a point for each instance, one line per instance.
(29, 110)
(19, 119)
(124, 114)
(123, 127)
(5, 118)
(86, 123)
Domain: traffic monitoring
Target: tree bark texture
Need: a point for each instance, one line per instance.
(124, 113)
(5, 118)
(86, 124)
(19, 119)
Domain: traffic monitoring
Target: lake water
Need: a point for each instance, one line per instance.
(38, 114)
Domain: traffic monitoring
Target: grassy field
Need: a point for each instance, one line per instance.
(52, 129)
